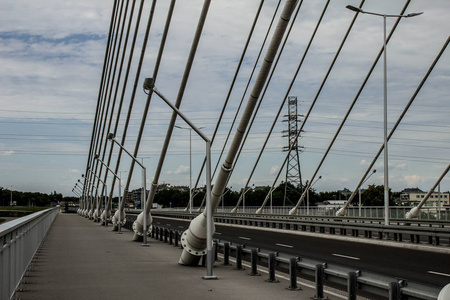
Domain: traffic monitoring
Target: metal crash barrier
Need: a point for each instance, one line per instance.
(353, 280)
(20, 240)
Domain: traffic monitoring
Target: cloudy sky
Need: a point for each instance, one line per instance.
(51, 59)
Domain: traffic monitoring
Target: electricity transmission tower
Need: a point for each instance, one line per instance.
(293, 180)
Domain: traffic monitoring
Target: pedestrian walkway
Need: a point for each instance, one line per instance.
(80, 259)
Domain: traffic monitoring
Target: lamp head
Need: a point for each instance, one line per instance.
(374, 170)
(82, 175)
(413, 14)
(96, 156)
(110, 136)
(148, 84)
(354, 8)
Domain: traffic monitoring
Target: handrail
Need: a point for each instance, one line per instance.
(19, 241)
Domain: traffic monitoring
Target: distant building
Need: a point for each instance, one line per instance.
(413, 196)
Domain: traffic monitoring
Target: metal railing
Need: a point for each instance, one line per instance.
(20, 240)
(352, 280)
(395, 212)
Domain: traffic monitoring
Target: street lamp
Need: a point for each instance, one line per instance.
(190, 163)
(118, 215)
(97, 211)
(84, 210)
(386, 175)
(143, 215)
(90, 212)
(307, 195)
(197, 224)
(359, 190)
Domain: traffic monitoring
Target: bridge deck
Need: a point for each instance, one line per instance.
(80, 259)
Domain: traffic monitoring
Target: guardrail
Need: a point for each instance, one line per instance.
(20, 239)
(372, 212)
(419, 231)
(354, 281)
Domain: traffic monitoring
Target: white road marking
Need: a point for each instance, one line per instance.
(180, 226)
(244, 238)
(217, 233)
(345, 256)
(283, 245)
(437, 273)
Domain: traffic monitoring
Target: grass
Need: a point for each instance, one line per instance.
(22, 208)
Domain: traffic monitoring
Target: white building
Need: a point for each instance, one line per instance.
(413, 196)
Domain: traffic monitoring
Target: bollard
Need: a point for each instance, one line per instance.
(177, 238)
(238, 257)
(166, 235)
(271, 266)
(319, 282)
(293, 273)
(204, 259)
(153, 232)
(156, 232)
(254, 259)
(351, 285)
(226, 254)
(215, 250)
(170, 237)
(394, 291)
(161, 234)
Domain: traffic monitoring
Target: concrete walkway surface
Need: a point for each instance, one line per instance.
(80, 259)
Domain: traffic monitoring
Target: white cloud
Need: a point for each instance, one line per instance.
(7, 153)
(180, 170)
(274, 170)
(52, 52)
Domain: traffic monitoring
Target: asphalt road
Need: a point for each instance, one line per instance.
(419, 266)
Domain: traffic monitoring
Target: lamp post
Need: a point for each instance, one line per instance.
(80, 200)
(83, 211)
(90, 211)
(11, 203)
(111, 137)
(386, 175)
(190, 163)
(119, 214)
(359, 191)
(149, 85)
(307, 195)
(97, 211)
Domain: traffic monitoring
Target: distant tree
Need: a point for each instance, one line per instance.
(374, 196)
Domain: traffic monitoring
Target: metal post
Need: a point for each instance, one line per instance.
(119, 206)
(386, 175)
(238, 257)
(293, 273)
(351, 285)
(271, 267)
(144, 230)
(226, 254)
(190, 170)
(319, 282)
(254, 259)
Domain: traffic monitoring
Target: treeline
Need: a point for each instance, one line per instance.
(17, 198)
(372, 196)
